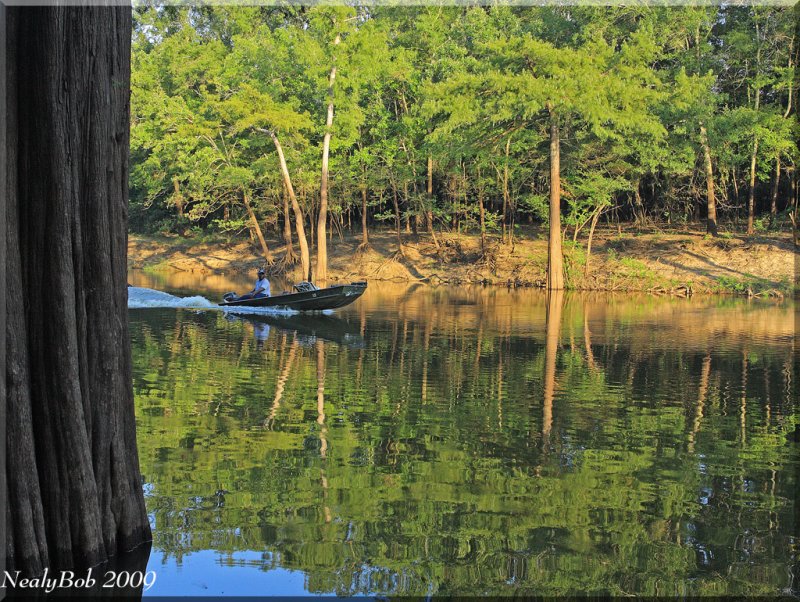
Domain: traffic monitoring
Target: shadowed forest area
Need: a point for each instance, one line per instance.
(290, 123)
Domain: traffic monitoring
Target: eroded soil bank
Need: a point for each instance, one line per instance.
(660, 262)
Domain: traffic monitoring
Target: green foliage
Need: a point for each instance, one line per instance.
(473, 90)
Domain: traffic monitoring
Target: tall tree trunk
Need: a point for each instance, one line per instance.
(257, 228)
(751, 195)
(481, 213)
(397, 220)
(305, 259)
(429, 203)
(711, 202)
(364, 229)
(72, 469)
(773, 209)
(595, 219)
(505, 190)
(322, 218)
(177, 196)
(289, 257)
(555, 256)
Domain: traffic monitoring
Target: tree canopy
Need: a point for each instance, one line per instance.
(443, 115)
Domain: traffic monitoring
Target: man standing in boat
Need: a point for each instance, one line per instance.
(261, 289)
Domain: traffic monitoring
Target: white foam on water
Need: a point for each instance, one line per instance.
(277, 311)
(141, 298)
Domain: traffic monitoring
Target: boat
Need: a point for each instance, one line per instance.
(306, 297)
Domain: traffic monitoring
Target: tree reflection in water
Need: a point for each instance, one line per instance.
(479, 440)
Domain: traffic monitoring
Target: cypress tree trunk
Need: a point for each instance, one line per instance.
(322, 220)
(364, 230)
(289, 257)
(257, 228)
(711, 202)
(555, 256)
(305, 257)
(72, 470)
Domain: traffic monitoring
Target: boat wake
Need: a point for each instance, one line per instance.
(144, 298)
(140, 298)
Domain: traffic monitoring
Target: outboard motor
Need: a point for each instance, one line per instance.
(228, 297)
(305, 287)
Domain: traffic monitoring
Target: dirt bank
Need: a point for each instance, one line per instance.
(659, 262)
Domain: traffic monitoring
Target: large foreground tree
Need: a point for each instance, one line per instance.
(72, 472)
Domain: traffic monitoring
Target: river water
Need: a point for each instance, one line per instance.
(443, 440)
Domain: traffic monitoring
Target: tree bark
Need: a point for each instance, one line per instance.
(555, 256)
(428, 211)
(397, 220)
(305, 258)
(257, 228)
(595, 218)
(364, 230)
(773, 210)
(751, 195)
(322, 218)
(711, 202)
(289, 256)
(505, 190)
(481, 213)
(72, 466)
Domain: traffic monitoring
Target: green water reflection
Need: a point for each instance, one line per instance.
(458, 441)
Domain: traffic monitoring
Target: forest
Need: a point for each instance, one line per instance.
(293, 123)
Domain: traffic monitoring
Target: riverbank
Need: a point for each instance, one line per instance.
(673, 262)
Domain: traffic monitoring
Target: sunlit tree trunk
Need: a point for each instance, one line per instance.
(289, 257)
(506, 195)
(751, 195)
(555, 257)
(322, 220)
(257, 228)
(711, 202)
(364, 229)
(481, 212)
(305, 259)
(428, 210)
(72, 470)
(773, 209)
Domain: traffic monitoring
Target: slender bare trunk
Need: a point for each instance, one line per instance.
(397, 221)
(555, 257)
(322, 219)
(505, 190)
(298, 213)
(481, 213)
(775, 188)
(290, 256)
(751, 195)
(364, 230)
(429, 203)
(257, 228)
(177, 196)
(595, 219)
(711, 202)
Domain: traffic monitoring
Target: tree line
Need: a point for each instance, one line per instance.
(307, 121)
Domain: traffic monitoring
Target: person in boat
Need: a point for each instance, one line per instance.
(261, 288)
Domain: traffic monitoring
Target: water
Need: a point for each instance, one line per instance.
(453, 441)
